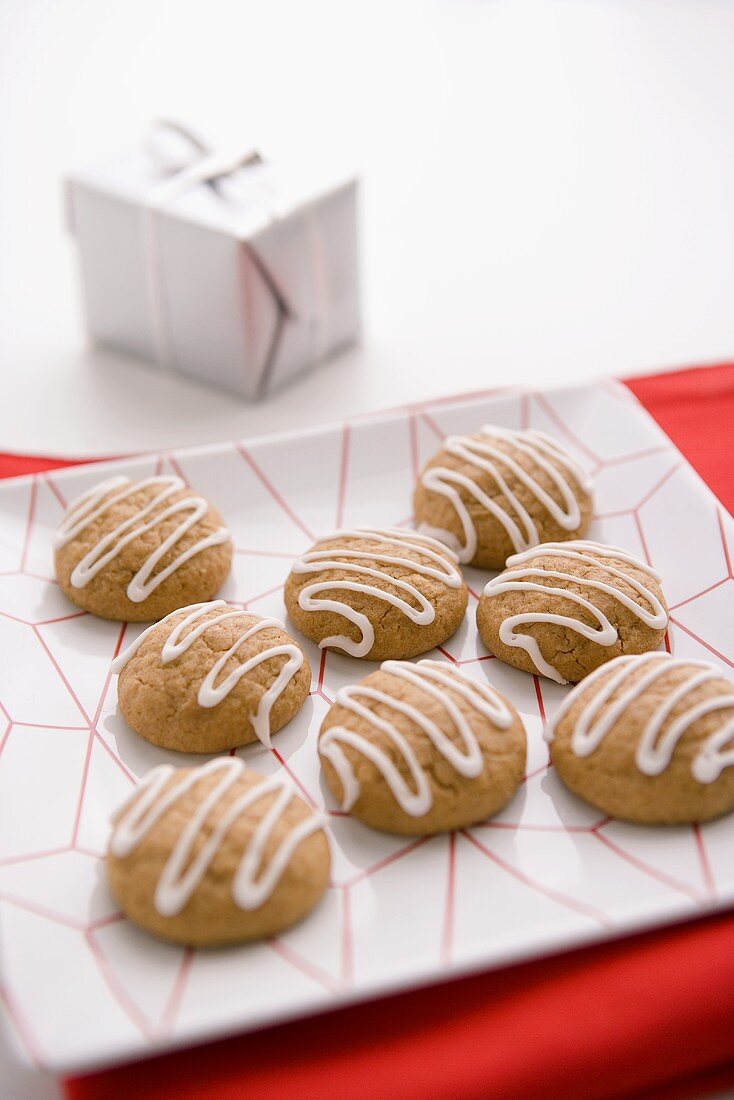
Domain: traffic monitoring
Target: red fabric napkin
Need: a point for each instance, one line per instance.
(648, 1016)
(695, 408)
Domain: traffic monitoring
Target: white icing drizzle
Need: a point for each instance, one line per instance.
(513, 515)
(590, 553)
(197, 622)
(655, 748)
(252, 884)
(433, 678)
(349, 559)
(92, 504)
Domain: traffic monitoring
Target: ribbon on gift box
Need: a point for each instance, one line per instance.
(190, 161)
(180, 151)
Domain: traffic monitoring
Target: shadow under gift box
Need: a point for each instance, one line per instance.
(242, 281)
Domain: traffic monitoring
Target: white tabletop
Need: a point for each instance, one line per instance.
(548, 195)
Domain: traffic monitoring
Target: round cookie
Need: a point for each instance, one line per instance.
(377, 593)
(135, 550)
(208, 678)
(420, 748)
(216, 854)
(649, 739)
(563, 609)
(501, 491)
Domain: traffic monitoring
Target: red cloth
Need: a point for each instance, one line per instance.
(695, 408)
(13, 465)
(650, 1015)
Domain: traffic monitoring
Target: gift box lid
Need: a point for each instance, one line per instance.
(240, 203)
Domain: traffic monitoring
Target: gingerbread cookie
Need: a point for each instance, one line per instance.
(216, 854)
(208, 678)
(135, 550)
(420, 748)
(563, 609)
(377, 593)
(649, 739)
(501, 491)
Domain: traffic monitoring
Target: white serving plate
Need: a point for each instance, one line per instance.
(82, 986)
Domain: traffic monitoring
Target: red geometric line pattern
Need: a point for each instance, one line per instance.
(329, 954)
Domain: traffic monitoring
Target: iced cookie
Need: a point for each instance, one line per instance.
(563, 609)
(377, 593)
(421, 748)
(135, 550)
(500, 492)
(649, 739)
(216, 854)
(208, 678)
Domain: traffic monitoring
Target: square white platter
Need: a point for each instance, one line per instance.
(81, 986)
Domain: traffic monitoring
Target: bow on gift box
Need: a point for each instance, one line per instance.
(178, 150)
(189, 162)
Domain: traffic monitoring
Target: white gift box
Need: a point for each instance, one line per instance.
(230, 270)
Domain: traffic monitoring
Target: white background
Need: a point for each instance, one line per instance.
(548, 195)
(548, 191)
